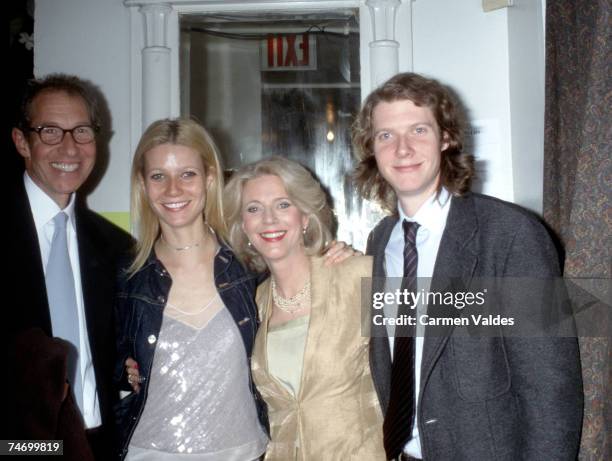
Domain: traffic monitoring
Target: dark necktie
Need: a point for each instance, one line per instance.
(62, 302)
(397, 427)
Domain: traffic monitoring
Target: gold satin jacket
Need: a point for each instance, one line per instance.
(336, 414)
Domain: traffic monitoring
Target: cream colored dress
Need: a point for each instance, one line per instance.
(335, 414)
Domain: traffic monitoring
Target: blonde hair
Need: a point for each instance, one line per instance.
(304, 191)
(184, 132)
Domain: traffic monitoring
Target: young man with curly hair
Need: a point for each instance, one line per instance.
(489, 397)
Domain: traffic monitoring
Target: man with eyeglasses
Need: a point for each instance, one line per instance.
(63, 282)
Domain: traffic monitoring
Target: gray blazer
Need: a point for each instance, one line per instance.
(496, 398)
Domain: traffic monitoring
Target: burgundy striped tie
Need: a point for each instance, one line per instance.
(399, 419)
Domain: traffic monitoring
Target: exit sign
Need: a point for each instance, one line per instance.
(288, 52)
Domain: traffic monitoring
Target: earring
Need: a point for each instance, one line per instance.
(249, 244)
(304, 230)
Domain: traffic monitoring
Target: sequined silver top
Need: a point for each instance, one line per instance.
(199, 401)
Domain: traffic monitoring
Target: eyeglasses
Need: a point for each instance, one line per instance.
(49, 134)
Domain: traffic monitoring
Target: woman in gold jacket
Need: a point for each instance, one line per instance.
(310, 361)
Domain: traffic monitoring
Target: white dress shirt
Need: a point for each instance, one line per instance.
(431, 217)
(44, 210)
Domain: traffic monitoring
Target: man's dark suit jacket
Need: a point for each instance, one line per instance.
(101, 244)
(489, 398)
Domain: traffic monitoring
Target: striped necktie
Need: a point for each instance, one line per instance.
(399, 419)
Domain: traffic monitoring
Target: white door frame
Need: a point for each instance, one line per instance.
(154, 46)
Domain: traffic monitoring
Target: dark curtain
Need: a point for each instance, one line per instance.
(577, 178)
(20, 17)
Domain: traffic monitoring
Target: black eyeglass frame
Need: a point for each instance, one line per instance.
(38, 129)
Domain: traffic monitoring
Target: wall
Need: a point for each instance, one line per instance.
(526, 69)
(493, 60)
(90, 38)
(467, 49)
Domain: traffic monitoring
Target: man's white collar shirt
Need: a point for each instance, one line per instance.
(44, 209)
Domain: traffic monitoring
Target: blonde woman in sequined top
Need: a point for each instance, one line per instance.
(185, 312)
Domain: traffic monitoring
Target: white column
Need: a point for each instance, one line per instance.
(384, 57)
(156, 64)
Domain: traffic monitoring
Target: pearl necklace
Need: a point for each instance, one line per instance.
(293, 304)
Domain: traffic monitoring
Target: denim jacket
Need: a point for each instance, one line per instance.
(139, 306)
